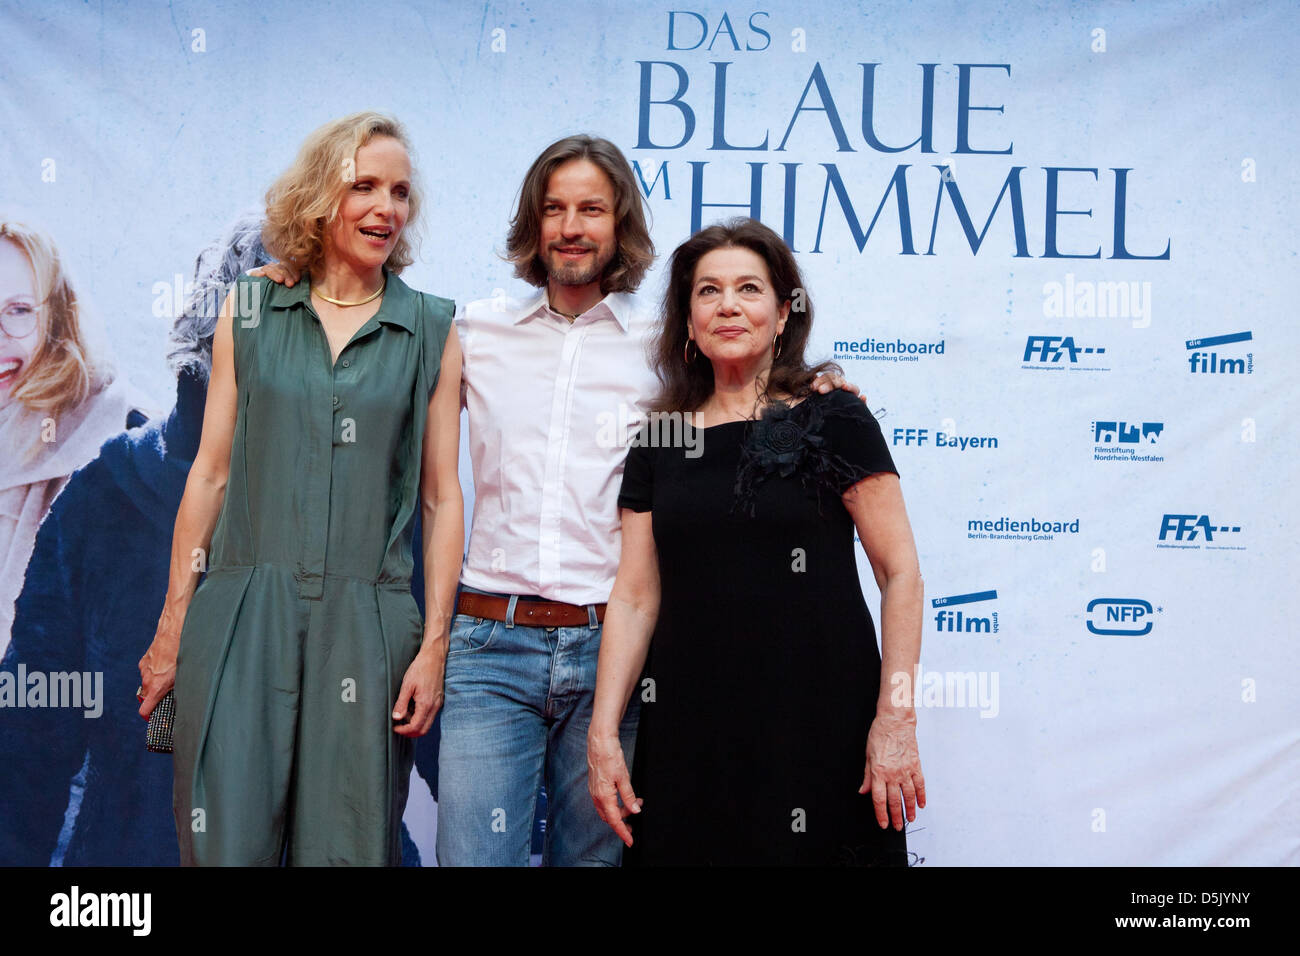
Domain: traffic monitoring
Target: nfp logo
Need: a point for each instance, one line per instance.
(1126, 617)
(962, 621)
(1206, 359)
(1060, 352)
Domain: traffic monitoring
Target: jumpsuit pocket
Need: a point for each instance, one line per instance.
(403, 629)
(416, 632)
(469, 634)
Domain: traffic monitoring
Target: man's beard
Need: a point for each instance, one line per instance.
(574, 274)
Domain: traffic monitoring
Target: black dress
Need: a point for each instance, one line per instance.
(761, 680)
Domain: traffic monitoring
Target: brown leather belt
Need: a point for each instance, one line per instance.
(527, 613)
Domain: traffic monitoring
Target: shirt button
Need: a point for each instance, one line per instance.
(336, 401)
(346, 363)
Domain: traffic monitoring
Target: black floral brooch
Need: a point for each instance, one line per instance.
(787, 440)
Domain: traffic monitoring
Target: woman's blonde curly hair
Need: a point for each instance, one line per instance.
(306, 198)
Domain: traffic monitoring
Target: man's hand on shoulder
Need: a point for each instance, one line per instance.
(827, 382)
(280, 273)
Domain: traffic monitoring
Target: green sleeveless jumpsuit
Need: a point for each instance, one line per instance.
(295, 644)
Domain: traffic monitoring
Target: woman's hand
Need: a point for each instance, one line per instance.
(893, 765)
(158, 666)
(282, 273)
(423, 682)
(608, 780)
(828, 381)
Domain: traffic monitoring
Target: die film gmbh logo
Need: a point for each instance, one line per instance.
(958, 615)
(1220, 355)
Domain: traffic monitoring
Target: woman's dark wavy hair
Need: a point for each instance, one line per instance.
(635, 251)
(686, 387)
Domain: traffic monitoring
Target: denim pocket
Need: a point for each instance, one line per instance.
(470, 634)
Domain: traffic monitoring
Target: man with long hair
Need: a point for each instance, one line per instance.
(553, 386)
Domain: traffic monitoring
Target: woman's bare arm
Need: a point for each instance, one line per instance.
(876, 506)
(893, 773)
(443, 542)
(630, 619)
(205, 491)
(443, 524)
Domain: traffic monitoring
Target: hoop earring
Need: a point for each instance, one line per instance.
(686, 351)
(776, 347)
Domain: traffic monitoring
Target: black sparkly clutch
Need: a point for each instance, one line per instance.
(158, 739)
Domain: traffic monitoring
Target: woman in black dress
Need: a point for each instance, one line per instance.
(738, 603)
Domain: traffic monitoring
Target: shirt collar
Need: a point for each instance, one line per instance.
(394, 308)
(615, 305)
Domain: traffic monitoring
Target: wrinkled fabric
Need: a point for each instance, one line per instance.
(296, 641)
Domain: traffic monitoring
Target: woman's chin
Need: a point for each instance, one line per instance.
(737, 358)
(366, 258)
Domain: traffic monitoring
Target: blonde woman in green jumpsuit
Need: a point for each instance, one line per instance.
(302, 669)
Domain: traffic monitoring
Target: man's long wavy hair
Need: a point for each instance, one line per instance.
(635, 251)
(302, 203)
(687, 386)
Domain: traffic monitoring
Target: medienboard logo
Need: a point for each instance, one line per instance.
(1123, 617)
(1210, 357)
(1119, 440)
(1055, 353)
(1019, 529)
(1193, 532)
(961, 620)
(886, 350)
(950, 441)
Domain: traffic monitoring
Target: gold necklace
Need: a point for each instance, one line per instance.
(370, 298)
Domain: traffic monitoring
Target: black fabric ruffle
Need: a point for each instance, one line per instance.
(789, 440)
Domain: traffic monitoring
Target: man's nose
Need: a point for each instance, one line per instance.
(571, 223)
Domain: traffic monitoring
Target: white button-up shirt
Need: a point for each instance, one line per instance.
(552, 407)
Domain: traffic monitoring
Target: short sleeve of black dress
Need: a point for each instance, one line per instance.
(638, 475)
(855, 439)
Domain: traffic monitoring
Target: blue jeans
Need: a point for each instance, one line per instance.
(518, 704)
